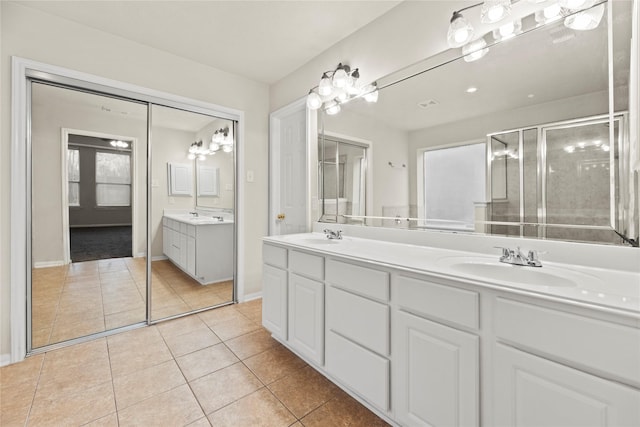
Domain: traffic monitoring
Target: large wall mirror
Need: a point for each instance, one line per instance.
(531, 135)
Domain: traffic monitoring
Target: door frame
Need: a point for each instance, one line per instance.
(311, 179)
(64, 140)
(22, 71)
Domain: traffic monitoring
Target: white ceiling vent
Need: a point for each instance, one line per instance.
(428, 103)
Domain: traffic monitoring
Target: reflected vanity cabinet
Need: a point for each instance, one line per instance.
(204, 252)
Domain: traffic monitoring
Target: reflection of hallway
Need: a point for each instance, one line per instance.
(88, 297)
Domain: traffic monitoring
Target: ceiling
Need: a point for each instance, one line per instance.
(262, 40)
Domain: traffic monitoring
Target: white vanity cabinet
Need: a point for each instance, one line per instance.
(203, 251)
(306, 305)
(357, 330)
(557, 367)
(274, 291)
(436, 366)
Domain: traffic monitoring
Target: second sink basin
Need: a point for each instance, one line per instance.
(515, 274)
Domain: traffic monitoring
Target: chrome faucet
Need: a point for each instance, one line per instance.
(194, 213)
(331, 235)
(517, 257)
(219, 218)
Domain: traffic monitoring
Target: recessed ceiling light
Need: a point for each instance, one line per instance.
(472, 89)
(530, 95)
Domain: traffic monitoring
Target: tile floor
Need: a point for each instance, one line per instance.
(215, 368)
(87, 297)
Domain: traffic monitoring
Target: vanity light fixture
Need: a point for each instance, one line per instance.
(548, 14)
(460, 30)
(220, 140)
(585, 20)
(576, 4)
(337, 87)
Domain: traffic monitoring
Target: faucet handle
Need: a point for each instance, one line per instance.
(506, 252)
(532, 258)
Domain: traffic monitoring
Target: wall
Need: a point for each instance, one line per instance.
(68, 44)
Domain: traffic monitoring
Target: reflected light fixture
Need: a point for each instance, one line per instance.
(220, 140)
(119, 144)
(576, 4)
(337, 87)
(475, 50)
(548, 14)
(460, 30)
(508, 30)
(495, 11)
(586, 19)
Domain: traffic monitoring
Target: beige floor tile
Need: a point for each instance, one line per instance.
(234, 328)
(259, 409)
(176, 407)
(202, 300)
(303, 391)
(274, 364)
(172, 308)
(15, 402)
(111, 265)
(135, 350)
(251, 344)
(221, 315)
(202, 362)
(56, 409)
(345, 411)
(25, 371)
(181, 326)
(117, 320)
(40, 337)
(66, 330)
(74, 369)
(192, 341)
(140, 385)
(110, 420)
(224, 386)
(202, 422)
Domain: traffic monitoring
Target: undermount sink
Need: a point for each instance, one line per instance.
(516, 274)
(320, 241)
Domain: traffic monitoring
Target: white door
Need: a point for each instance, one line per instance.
(289, 184)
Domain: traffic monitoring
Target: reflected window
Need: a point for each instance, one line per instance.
(454, 181)
(73, 176)
(113, 179)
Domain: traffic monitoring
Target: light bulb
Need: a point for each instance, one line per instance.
(113, 143)
(475, 50)
(342, 96)
(314, 101)
(333, 108)
(548, 14)
(227, 148)
(371, 94)
(585, 20)
(193, 148)
(460, 31)
(495, 10)
(202, 157)
(214, 146)
(191, 156)
(508, 30)
(324, 87)
(340, 77)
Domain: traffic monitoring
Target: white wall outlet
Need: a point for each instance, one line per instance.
(250, 176)
(154, 183)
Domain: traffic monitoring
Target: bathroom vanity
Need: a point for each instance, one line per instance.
(201, 246)
(426, 336)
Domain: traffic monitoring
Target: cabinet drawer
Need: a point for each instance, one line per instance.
(306, 265)
(588, 343)
(438, 301)
(359, 369)
(359, 319)
(274, 255)
(361, 280)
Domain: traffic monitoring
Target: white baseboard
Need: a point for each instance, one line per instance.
(249, 297)
(159, 258)
(45, 264)
(140, 255)
(5, 359)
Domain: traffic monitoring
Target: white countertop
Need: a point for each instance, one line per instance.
(600, 288)
(197, 220)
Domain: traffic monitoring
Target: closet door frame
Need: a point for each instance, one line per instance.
(23, 71)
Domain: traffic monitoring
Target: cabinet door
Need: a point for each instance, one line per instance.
(532, 391)
(191, 255)
(182, 250)
(274, 300)
(306, 317)
(437, 374)
(166, 240)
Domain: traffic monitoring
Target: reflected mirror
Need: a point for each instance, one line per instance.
(192, 211)
(552, 159)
